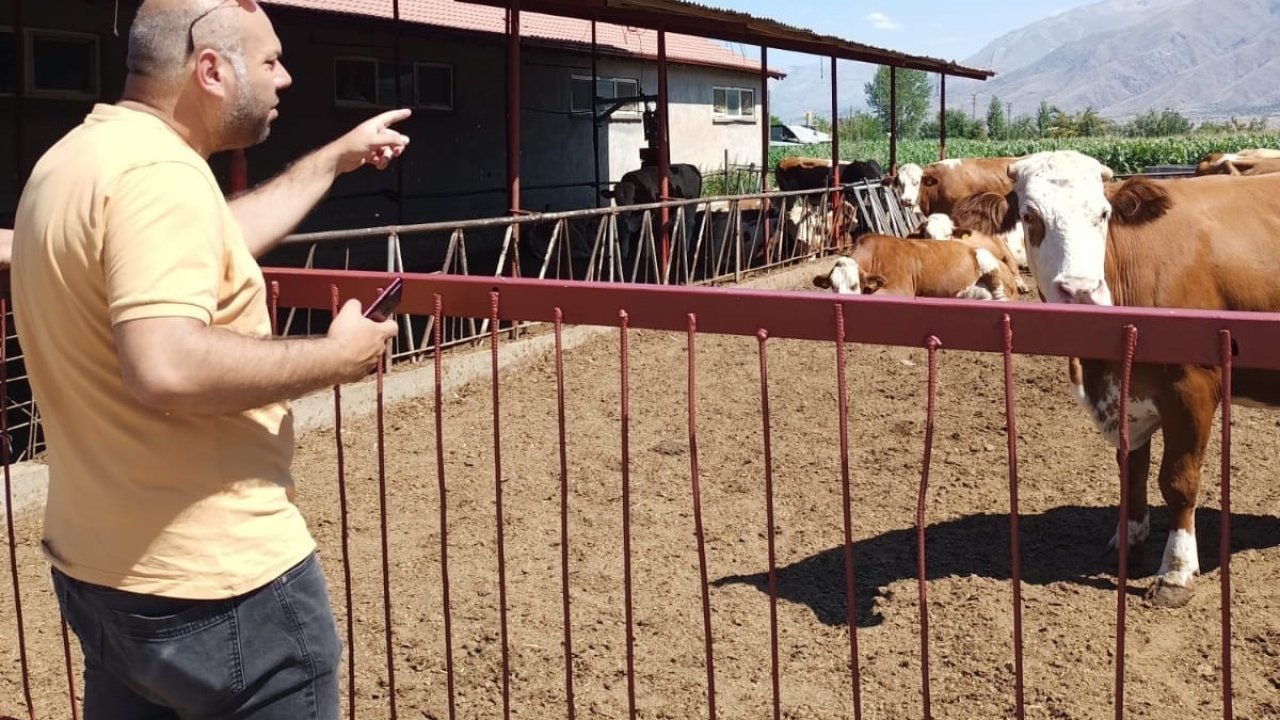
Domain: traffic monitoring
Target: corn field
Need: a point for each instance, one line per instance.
(1122, 155)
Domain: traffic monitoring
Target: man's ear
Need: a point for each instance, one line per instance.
(211, 72)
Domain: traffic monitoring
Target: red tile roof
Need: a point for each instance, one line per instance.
(639, 42)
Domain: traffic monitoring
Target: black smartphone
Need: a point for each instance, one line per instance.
(386, 302)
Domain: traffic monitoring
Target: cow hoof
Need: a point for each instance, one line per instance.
(1167, 595)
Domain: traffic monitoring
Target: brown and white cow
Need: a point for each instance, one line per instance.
(1234, 163)
(938, 186)
(891, 265)
(995, 215)
(1211, 243)
(940, 227)
(1240, 166)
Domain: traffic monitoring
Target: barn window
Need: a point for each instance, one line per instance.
(580, 99)
(60, 64)
(355, 81)
(733, 103)
(433, 86)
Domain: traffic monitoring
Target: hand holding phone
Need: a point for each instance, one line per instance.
(386, 302)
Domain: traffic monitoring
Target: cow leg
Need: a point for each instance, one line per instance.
(1188, 421)
(1139, 517)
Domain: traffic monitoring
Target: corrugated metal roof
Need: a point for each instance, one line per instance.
(640, 42)
(704, 21)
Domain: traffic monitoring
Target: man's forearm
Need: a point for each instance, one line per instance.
(214, 371)
(272, 210)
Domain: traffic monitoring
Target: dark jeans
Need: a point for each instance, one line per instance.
(270, 653)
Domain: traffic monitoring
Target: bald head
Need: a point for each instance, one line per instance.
(166, 33)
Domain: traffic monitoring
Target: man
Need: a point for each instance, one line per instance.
(178, 556)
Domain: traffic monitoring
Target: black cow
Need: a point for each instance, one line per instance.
(640, 187)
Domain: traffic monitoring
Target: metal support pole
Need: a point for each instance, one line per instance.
(595, 118)
(664, 149)
(893, 118)
(942, 117)
(239, 171)
(395, 59)
(19, 99)
(835, 129)
(765, 130)
(513, 128)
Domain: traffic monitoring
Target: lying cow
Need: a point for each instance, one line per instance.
(1211, 243)
(940, 227)
(1236, 165)
(891, 265)
(997, 216)
(1233, 163)
(938, 186)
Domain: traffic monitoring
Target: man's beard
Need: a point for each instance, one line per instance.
(248, 121)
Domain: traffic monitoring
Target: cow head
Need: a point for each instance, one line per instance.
(909, 178)
(846, 278)
(1065, 213)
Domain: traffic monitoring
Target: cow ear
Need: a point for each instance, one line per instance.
(822, 281)
(872, 283)
(1107, 174)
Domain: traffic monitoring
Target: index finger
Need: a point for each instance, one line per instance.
(392, 117)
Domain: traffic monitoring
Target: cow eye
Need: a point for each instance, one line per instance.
(1028, 215)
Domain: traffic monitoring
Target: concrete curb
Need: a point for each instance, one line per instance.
(315, 411)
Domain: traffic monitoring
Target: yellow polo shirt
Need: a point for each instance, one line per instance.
(122, 220)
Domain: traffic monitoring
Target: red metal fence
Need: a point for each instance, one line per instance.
(1125, 335)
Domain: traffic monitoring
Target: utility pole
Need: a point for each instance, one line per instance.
(974, 112)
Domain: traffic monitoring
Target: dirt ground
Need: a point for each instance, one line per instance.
(1068, 493)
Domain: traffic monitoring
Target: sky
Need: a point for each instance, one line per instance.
(945, 29)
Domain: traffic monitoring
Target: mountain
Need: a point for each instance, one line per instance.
(808, 88)
(1208, 59)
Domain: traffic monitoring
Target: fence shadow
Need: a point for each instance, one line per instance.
(1065, 544)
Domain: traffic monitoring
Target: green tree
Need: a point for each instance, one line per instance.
(1091, 124)
(1044, 119)
(1158, 124)
(860, 126)
(913, 92)
(995, 119)
(959, 125)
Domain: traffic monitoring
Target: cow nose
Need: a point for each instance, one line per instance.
(1078, 290)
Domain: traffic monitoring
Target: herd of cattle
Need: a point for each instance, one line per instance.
(1210, 241)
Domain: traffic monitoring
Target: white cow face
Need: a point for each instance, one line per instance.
(909, 177)
(1065, 213)
(845, 278)
(938, 227)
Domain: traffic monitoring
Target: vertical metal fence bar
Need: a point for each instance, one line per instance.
(564, 514)
(625, 352)
(762, 337)
(346, 534)
(8, 507)
(697, 516)
(275, 307)
(497, 481)
(1131, 346)
(71, 676)
(1224, 541)
(931, 344)
(386, 552)
(850, 587)
(444, 505)
(1015, 540)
